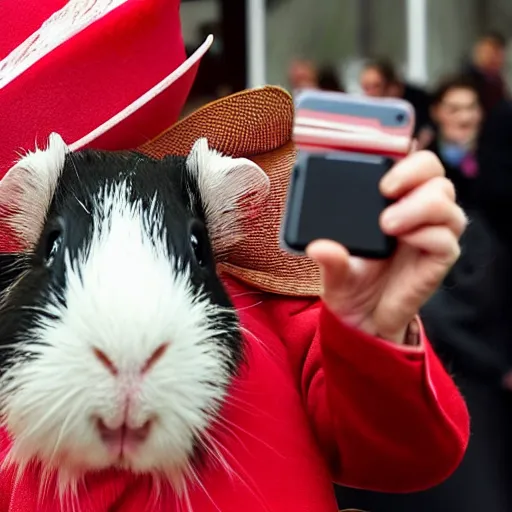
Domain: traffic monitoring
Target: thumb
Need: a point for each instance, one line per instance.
(333, 260)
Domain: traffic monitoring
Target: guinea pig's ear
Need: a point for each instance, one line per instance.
(232, 191)
(27, 190)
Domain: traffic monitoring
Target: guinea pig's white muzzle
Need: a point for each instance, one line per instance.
(135, 363)
(124, 434)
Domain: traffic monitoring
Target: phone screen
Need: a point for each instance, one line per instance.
(336, 196)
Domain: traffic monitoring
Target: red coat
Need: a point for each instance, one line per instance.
(317, 402)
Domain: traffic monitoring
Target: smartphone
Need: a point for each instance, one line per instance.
(334, 121)
(346, 144)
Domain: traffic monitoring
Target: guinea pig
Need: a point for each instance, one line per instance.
(118, 341)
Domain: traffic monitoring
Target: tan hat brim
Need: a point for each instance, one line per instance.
(256, 124)
(246, 123)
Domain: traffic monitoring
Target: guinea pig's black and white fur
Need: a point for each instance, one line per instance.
(118, 325)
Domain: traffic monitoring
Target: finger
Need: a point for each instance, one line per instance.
(435, 240)
(414, 146)
(410, 173)
(431, 204)
(333, 261)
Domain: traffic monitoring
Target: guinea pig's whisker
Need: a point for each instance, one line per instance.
(272, 354)
(64, 429)
(17, 264)
(210, 446)
(236, 296)
(72, 160)
(246, 407)
(47, 475)
(51, 412)
(225, 423)
(253, 488)
(230, 432)
(82, 205)
(186, 496)
(198, 481)
(251, 306)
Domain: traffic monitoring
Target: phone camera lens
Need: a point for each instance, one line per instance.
(400, 118)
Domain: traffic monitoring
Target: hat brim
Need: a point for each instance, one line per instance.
(247, 123)
(127, 124)
(256, 124)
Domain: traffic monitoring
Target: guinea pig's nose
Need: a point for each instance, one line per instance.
(124, 432)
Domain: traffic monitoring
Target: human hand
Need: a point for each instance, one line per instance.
(383, 297)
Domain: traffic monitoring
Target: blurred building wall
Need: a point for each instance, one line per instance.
(328, 31)
(453, 28)
(194, 14)
(321, 30)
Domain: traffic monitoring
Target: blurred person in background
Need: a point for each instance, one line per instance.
(302, 74)
(457, 114)
(377, 78)
(380, 79)
(486, 69)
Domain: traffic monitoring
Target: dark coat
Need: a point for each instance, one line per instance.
(469, 323)
(491, 88)
(494, 183)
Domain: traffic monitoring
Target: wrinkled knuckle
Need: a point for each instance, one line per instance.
(443, 187)
(438, 203)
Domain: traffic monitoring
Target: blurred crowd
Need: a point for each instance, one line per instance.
(466, 119)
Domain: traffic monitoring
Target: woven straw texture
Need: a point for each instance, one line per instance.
(255, 124)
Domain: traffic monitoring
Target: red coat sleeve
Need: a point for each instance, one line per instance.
(388, 418)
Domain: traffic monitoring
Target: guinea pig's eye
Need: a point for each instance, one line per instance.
(52, 246)
(198, 246)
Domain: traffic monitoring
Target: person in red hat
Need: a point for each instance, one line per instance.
(344, 386)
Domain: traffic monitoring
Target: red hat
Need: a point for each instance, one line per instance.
(107, 73)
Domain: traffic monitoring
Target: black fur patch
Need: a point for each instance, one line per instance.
(85, 175)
